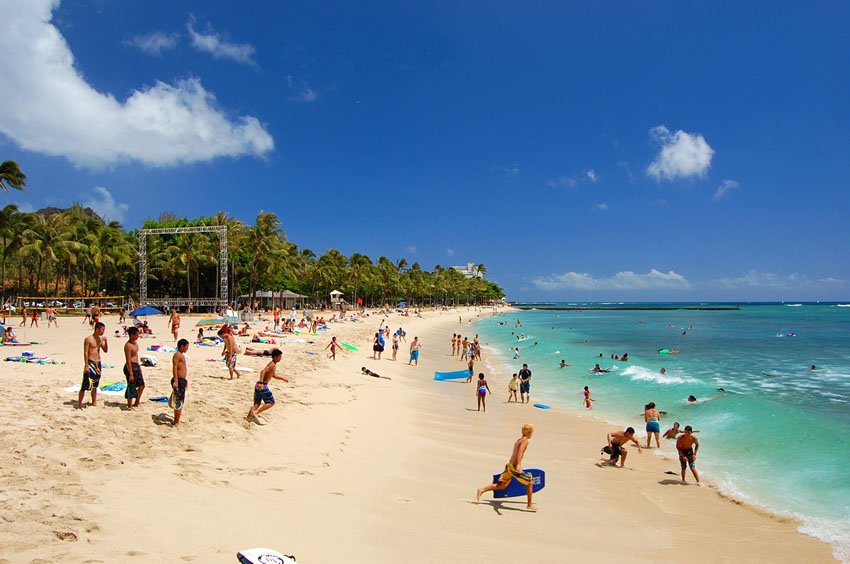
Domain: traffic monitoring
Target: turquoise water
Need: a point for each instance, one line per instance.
(777, 439)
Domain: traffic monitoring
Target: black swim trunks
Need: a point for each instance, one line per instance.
(616, 451)
(132, 390)
(91, 376)
(180, 393)
(687, 458)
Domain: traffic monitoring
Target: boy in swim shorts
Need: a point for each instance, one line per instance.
(513, 469)
(688, 445)
(481, 391)
(132, 369)
(262, 393)
(179, 383)
(513, 387)
(616, 440)
(92, 345)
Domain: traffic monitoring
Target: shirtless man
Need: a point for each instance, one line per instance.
(92, 345)
(616, 440)
(179, 382)
(174, 322)
(262, 393)
(51, 316)
(688, 445)
(415, 347)
(513, 469)
(132, 369)
(230, 352)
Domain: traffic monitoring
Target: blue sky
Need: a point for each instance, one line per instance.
(581, 151)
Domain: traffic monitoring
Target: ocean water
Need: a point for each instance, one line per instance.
(777, 439)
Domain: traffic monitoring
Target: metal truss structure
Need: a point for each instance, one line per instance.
(222, 265)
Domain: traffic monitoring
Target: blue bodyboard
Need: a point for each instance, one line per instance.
(541, 406)
(458, 374)
(515, 489)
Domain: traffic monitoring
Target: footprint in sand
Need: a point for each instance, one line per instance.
(65, 535)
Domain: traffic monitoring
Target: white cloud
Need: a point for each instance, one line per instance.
(567, 181)
(725, 187)
(601, 207)
(682, 155)
(756, 279)
(303, 92)
(47, 106)
(219, 48)
(154, 43)
(106, 206)
(450, 252)
(654, 279)
(592, 176)
(410, 249)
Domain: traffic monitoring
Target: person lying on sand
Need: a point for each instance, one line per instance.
(368, 372)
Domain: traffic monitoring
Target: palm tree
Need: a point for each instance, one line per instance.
(11, 176)
(9, 220)
(264, 241)
(359, 266)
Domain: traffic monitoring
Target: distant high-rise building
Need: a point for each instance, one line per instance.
(470, 270)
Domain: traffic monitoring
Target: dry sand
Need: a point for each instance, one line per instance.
(346, 468)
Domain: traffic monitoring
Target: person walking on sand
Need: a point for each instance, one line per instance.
(333, 346)
(513, 387)
(653, 424)
(616, 442)
(262, 393)
(231, 350)
(92, 368)
(687, 445)
(174, 322)
(378, 345)
(513, 469)
(482, 389)
(525, 384)
(179, 383)
(395, 346)
(132, 369)
(471, 366)
(415, 347)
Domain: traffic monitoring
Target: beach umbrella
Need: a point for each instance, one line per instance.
(213, 322)
(402, 304)
(144, 310)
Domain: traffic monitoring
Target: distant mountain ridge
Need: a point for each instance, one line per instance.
(49, 211)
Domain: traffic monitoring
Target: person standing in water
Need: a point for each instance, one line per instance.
(653, 424)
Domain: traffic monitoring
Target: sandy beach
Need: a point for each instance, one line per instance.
(346, 467)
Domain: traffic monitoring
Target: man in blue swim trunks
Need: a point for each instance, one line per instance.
(688, 445)
(415, 347)
(262, 393)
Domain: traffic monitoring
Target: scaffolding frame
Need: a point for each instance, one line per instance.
(222, 265)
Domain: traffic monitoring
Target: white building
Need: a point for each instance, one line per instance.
(470, 270)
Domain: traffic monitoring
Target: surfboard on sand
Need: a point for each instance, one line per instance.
(515, 489)
(456, 375)
(263, 556)
(349, 347)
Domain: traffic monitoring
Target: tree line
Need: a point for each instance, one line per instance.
(74, 252)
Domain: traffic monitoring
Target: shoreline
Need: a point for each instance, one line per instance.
(387, 468)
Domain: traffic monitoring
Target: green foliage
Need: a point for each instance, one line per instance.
(73, 252)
